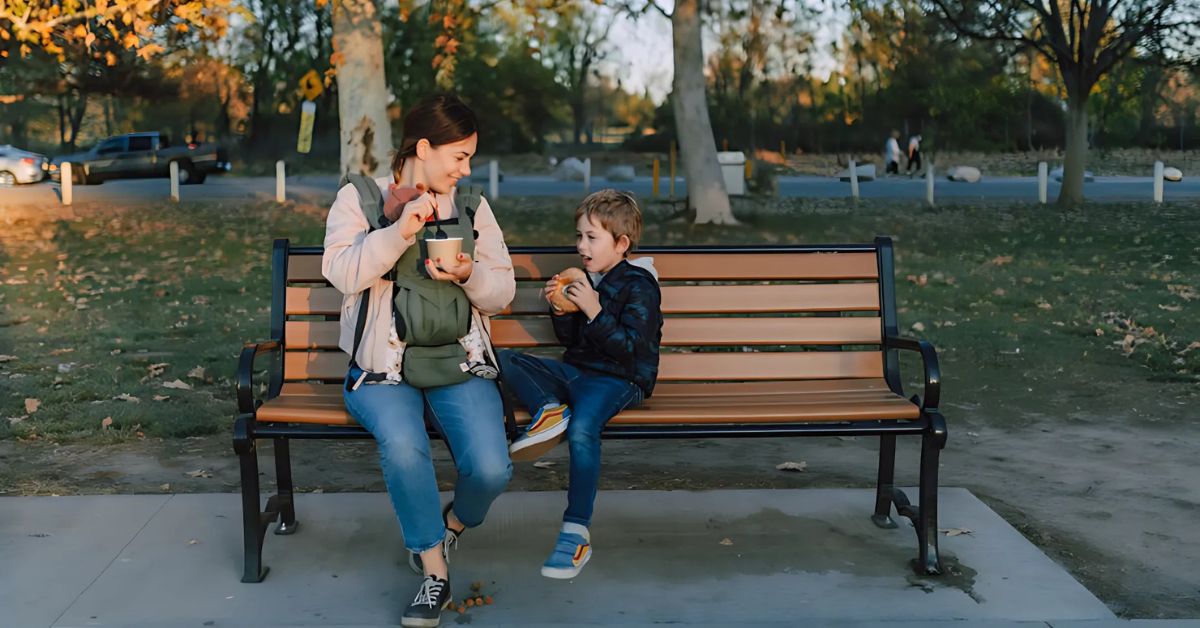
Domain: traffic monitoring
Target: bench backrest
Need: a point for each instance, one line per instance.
(731, 313)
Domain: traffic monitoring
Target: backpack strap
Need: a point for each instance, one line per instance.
(467, 199)
(370, 199)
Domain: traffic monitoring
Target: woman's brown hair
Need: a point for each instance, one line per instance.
(441, 119)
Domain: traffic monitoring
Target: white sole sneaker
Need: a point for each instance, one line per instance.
(533, 447)
(566, 573)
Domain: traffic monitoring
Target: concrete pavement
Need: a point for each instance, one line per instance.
(712, 558)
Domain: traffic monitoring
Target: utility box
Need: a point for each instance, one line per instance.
(733, 170)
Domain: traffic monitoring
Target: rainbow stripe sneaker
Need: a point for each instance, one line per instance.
(572, 551)
(548, 429)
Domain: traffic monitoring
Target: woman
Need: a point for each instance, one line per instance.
(398, 370)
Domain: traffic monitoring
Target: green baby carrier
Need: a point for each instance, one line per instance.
(430, 315)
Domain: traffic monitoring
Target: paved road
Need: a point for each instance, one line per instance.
(322, 188)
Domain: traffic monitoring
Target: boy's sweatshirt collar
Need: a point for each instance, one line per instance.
(645, 263)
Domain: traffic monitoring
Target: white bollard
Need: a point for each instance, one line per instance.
(587, 175)
(1043, 176)
(65, 178)
(174, 181)
(929, 184)
(280, 182)
(493, 180)
(853, 180)
(1158, 182)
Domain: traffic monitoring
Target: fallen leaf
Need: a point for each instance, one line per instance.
(543, 464)
(1187, 293)
(1043, 305)
(1191, 347)
(199, 473)
(1099, 332)
(13, 420)
(31, 405)
(106, 423)
(196, 373)
(1170, 308)
(127, 397)
(165, 487)
(62, 351)
(999, 292)
(161, 397)
(317, 491)
(179, 384)
(954, 531)
(1001, 260)
(154, 370)
(792, 466)
(918, 326)
(7, 358)
(726, 541)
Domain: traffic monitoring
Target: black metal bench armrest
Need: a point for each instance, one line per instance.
(247, 404)
(929, 359)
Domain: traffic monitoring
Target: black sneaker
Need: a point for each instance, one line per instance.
(448, 543)
(426, 608)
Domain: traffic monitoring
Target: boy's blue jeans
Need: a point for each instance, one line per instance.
(469, 416)
(594, 399)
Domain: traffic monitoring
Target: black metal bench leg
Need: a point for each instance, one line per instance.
(254, 522)
(929, 562)
(885, 485)
(283, 474)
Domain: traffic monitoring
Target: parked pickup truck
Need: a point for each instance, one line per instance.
(142, 156)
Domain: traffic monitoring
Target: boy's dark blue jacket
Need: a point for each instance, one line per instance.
(623, 339)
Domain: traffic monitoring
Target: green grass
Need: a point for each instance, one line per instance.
(1016, 298)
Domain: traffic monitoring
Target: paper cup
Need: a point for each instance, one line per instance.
(445, 248)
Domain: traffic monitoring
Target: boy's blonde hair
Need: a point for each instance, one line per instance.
(616, 211)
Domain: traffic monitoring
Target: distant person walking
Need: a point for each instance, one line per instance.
(914, 154)
(891, 154)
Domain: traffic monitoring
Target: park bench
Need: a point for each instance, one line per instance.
(757, 342)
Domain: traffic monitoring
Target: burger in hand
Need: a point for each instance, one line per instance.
(558, 299)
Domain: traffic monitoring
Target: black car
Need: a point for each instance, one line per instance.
(142, 156)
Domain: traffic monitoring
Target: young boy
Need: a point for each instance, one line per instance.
(610, 362)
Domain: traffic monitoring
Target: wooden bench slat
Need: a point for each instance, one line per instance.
(305, 269)
(736, 366)
(794, 407)
(685, 390)
(715, 266)
(778, 298)
(677, 332)
(675, 266)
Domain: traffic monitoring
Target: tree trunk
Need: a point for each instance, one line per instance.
(366, 134)
(1076, 158)
(706, 188)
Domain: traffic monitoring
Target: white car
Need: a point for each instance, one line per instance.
(21, 166)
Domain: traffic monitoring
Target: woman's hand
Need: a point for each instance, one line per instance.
(457, 269)
(415, 214)
(582, 294)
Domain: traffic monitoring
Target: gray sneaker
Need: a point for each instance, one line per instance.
(426, 608)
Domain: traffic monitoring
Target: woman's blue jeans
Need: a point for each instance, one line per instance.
(469, 416)
(594, 399)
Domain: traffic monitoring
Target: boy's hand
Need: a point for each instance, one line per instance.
(583, 295)
(551, 286)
